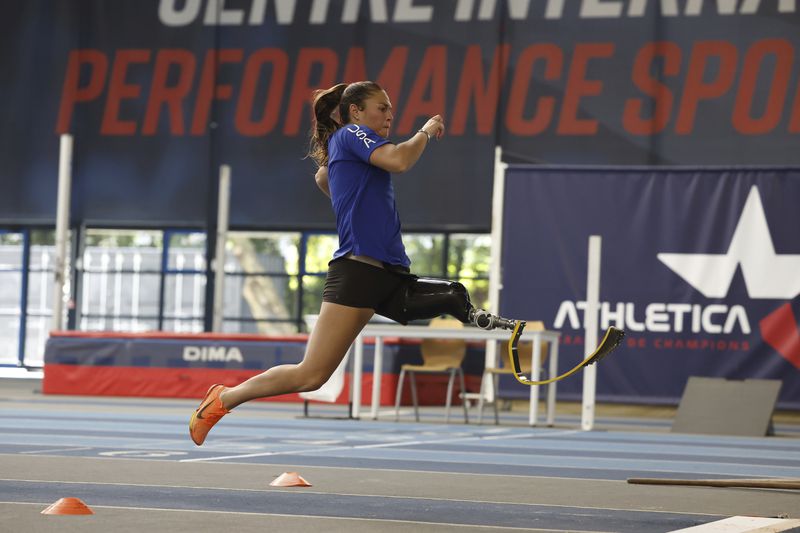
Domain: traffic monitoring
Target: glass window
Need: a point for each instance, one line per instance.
(184, 301)
(261, 287)
(256, 297)
(320, 248)
(121, 279)
(10, 239)
(183, 325)
(40, 293)
(185, 282)
(426, 252)
(468, 261)
(40, 302)
(319, 251)
(469, 256)
(9, 337)
(10, 295)
(312, 293)
(262, 253)
(186, 251)
(272, 279)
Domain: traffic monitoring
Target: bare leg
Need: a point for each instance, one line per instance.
(335, 330)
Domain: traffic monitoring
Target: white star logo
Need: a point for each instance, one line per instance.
(766, 274)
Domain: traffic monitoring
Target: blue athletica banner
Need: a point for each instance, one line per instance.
(160, 93)
(700, 266)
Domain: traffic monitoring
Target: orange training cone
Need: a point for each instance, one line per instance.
(68, 506)
(290, 479)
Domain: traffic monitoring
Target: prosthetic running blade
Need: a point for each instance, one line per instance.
(611, 340)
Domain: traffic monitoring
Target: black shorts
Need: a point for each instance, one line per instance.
(357, 284)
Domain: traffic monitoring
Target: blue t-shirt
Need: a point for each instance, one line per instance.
(363, 198)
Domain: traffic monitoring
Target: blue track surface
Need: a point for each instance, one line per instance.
(156, 432)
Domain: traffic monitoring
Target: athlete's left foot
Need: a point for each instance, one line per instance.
(208, 414)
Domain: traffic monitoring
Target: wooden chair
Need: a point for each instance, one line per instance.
(525, 350)
(439, 356)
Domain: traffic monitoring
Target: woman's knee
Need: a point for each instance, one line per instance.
(311, 379)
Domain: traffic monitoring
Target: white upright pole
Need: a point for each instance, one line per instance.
(223, 213)
(495, 265)
(358, 366)
(119, 260)
(135, 287)
(62, 227)
(591, 327)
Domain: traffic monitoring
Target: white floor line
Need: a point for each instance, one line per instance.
(366, 446)
(353, 495)
(327, 467)
(315, 517)
(72, 449)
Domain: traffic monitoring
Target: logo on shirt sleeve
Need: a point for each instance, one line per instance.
(361, 134)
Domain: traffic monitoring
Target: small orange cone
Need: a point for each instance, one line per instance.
(290, 479)
(68, 506)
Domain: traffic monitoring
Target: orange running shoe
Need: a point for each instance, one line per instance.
(208, 414)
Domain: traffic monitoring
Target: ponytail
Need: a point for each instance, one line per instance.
(324, 103)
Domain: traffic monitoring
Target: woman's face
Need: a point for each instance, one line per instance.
(376, 115)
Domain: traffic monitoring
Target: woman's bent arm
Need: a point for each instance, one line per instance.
(322, 180)
(397, 158)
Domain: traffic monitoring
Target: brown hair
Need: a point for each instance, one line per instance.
(325, 102)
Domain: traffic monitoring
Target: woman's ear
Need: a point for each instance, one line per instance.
(354, 112)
